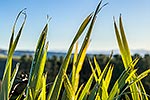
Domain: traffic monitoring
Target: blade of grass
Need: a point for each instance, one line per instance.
(135, 80)
(86, 88)
(93, 71)
(69, 89)
(97, 67)
(74, 68)
(79, 63)
(84, 46)
(78, 92)
(104, 90)
(38, 63)
(124, 41)
(141, 76)
(108, 76)
(121, 48)
(72, 76)
(59, 80)
(94, 92)
(42, 95)
(52, 89)
(125, 53)
(119, 84)
(39, 49)
(14, 75)
(5, 88)
(97, 89)
(41, 68)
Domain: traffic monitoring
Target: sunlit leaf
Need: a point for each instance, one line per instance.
(69, 89)
(64, 66)
(6, 81)
(86, 89)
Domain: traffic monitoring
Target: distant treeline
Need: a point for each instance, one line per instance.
(53, 64)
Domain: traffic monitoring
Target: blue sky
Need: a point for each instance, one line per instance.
(67, 15)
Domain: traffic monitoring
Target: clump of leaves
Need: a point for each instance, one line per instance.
(36, 87)
(8, 77)
(136, 89)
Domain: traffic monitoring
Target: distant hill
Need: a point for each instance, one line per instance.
(26, 52)
(138, 51)
(58, 53)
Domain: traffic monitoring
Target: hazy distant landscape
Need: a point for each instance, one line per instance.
(59, 53)
(55, 60)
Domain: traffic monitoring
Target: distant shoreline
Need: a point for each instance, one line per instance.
(19, 53)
